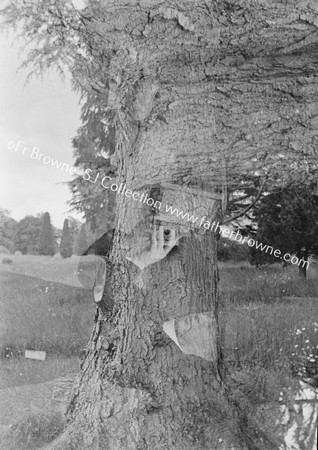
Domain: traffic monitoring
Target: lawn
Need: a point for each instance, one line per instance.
(51, 269)
(38, 313)
(42, 315)
(266, 313)
(269, 340)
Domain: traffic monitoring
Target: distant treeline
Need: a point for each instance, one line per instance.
(36, 235)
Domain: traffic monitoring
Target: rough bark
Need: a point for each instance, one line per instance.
(196, 92)
(302, 267)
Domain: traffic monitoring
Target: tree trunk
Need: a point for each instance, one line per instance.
(302, 268)
(302, 271)
(196, 93)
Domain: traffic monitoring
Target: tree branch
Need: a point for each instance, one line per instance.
(249, 207)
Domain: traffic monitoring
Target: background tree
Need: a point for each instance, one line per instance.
(229, 250)
(82, 242)
(288, 220)
(74, 226)
(57, 234)
(8, 230)
(28, 234)
(93, 147)
(46, 240)
(199, 98)
(66, 247)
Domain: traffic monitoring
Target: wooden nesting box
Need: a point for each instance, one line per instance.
(188, 207)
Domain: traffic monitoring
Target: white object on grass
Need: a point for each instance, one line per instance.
(35, 354)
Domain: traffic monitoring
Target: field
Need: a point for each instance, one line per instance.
(269, 331)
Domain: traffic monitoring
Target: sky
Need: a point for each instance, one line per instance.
(43, 114)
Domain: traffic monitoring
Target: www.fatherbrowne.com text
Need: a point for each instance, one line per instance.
(121, 189)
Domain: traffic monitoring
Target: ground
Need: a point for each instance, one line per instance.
(270, 339)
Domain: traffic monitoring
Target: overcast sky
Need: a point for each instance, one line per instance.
(43, 114)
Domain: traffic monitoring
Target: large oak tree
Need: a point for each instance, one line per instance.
(200, 94)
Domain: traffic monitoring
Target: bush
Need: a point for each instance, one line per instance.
(232, 251)
(46, 243)
(7, 261)
(66, 247)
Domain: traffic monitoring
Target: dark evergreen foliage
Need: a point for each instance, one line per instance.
(287, 220)
(82, 243)
(8, 230)
(28, 233)
(66, 247)
(46, 243)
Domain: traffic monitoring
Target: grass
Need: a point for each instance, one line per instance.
(52, 269)
(40, 315)
(270, 343)
(27, 418)
(20, 372)
(260, 327)
(242, 283)
(268, 340)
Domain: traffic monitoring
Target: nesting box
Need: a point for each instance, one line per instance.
(171, 215)
(187, 207)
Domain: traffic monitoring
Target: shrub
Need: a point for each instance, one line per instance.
(66, 247)
(46, 244)
(232, 251)
(7, 261)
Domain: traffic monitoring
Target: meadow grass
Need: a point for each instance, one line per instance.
(266, 339)
(268, 321)
(260, 319)
(50, 268)
(243, 283)
(38, 314)
(41, 315)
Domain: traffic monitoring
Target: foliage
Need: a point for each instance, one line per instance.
(231, 251)
(93, 147)
(287, 219)
(268, 175)
(8, 230)
(101, 55)
(66, 247)
(28, 233)
(75, 226)
(46, 241)
(82, 243)
(60, 37)
(7, 261)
